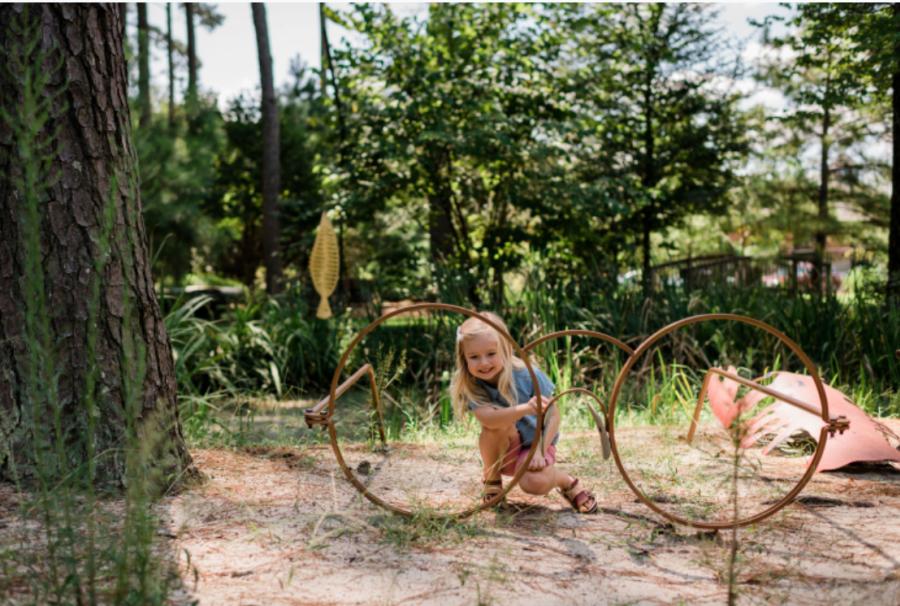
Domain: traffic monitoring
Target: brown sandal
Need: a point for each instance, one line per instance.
(581, 500)
(491, 489)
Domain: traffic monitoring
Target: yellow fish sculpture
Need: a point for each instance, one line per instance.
(324, 265)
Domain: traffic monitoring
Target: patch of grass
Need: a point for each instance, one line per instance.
(425, 529)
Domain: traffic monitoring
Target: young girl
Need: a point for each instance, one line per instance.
(488, 377)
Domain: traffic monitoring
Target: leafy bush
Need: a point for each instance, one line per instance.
(271, 345)
(277, 346)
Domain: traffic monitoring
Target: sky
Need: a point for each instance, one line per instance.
(229, 61)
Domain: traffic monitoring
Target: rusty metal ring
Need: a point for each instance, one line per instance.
(579, 332)
(650, 341)
(332, 398)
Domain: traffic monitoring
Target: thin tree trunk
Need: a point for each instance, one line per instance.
(271, 167)
(171, 65)
(192, 56)
(648, 180)
(894, 237)
(143, 32)
(92, 166)
(646, 270)
(499, 290)
(440, 222)
(328, 68)
(323, 51)
(824, 176)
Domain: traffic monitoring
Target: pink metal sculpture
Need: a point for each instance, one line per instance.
(864, 439)
(722, 396)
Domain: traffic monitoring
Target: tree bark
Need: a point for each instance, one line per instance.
(819, 276)
(143, 32)
(271, 164)
(192, 55)
(440, 205)
(893, 290)
(648, 180)
(92, 164)
(324, 58)
(171, 65)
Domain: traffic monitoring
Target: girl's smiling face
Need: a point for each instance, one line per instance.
(483, 359)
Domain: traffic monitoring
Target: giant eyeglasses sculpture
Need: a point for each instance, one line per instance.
(720, 456)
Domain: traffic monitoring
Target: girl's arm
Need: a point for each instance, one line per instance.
(497, 418)
(551, 425)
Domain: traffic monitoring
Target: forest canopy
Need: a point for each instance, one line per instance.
(458, 145)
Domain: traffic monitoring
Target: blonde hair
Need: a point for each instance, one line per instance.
(464, 388)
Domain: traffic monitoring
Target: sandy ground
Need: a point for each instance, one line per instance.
(283, 526)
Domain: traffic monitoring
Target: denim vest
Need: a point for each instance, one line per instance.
(527, 425)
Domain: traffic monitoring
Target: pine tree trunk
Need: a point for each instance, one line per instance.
(143, 32)
(191, 55)
(819, 278)
(171, 62)
(894, 238)
(271, 163)
(324, 58)
(648, 180)
(95, 162)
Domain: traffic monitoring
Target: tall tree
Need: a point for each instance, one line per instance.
(64, 179)
(667, 139)
(143, 33)
(451, 127)
(191, 95)
(876, 33)
(871, 33)
(820, 78)
(171, 65)
(271, 163)
(894, 233)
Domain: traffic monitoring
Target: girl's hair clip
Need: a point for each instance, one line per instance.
(459, 334)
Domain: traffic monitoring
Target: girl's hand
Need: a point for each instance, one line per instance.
(537, 462)
(533, 405)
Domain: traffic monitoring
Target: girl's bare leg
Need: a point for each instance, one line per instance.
(493, 444)
(543, 481)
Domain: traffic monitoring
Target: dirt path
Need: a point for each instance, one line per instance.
(283, 526)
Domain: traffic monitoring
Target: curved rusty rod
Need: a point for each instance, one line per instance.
(650, 342)
(834, 423)
(583, 332)
(599, 419)
(319, 415)
(334, 389)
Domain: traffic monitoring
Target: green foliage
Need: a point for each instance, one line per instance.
(200, 186)
(850, 340)
(450, 122)
(270, 345)
(823, 65)
(514, 129)
(654, 127)
(234, 199)
(176, 172)
(462, 141)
